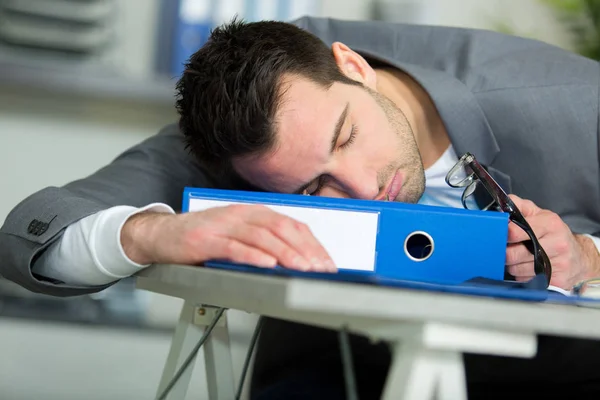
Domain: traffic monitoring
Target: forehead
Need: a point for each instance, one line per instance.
(304, 104)
(304, 126)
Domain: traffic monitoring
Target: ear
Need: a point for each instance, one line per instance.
(353, 65)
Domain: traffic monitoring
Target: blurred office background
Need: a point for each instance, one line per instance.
(82, 80)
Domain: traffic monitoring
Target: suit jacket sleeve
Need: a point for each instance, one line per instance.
(155, 170)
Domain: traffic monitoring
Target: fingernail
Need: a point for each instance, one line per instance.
(302, 263)
(316, 263)
(330, 265)
(268, 262)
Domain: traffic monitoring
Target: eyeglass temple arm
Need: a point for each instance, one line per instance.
(541, 262)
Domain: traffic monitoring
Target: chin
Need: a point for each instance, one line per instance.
(408, 197)
(412, 190)
(404, 199)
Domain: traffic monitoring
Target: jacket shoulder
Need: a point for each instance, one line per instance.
(482, 59)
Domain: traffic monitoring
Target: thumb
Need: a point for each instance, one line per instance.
(527, 207)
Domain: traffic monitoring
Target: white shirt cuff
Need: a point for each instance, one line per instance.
(107, 250)
(596, 241)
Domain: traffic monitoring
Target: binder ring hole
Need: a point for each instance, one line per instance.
(418, 246)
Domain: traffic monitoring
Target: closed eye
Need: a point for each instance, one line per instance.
(350, 140)
(313, 190)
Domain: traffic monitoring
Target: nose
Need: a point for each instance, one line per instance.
(357, 182)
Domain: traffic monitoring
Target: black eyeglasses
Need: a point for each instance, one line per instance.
(468, 173)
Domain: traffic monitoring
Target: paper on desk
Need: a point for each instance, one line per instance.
(559, 290)
(592, 291)
(591, 297)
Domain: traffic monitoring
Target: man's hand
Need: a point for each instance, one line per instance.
(251, 234)
(573, 257)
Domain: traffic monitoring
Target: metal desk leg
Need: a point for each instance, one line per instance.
(217, 355)
(427, 358)
(184, 339)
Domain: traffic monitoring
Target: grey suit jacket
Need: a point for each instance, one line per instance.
(527, 110)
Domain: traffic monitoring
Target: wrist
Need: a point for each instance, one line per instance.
(137, 236)
(591, 256)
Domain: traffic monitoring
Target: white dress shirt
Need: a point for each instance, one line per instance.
(90, 252)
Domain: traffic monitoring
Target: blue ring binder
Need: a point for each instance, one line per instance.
(464, 244)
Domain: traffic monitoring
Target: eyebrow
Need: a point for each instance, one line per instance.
(337, 131)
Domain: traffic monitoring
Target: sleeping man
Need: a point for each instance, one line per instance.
(366, 110)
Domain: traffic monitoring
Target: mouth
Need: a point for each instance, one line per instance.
(393, 188)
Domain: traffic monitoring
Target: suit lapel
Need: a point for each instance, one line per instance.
(503, 179)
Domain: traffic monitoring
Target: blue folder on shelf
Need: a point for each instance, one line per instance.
(387, 240)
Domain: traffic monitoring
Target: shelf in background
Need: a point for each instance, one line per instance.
(84, 80)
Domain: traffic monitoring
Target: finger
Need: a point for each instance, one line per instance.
(516, 234)
(517, 253)
(527, 207)
(543, 223)
(553, 245)
(297, 235)
(521, 272)
(524, 278)
(237, 252)
(264, 240)
(263, 217)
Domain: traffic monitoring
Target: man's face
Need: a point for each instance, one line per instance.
(347, 141)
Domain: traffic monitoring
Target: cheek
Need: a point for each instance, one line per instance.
(378, 140)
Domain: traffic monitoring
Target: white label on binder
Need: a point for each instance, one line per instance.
(349, 237)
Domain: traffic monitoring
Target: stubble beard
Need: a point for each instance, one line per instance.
(409, 158)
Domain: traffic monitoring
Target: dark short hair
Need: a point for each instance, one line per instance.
(230, 90)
